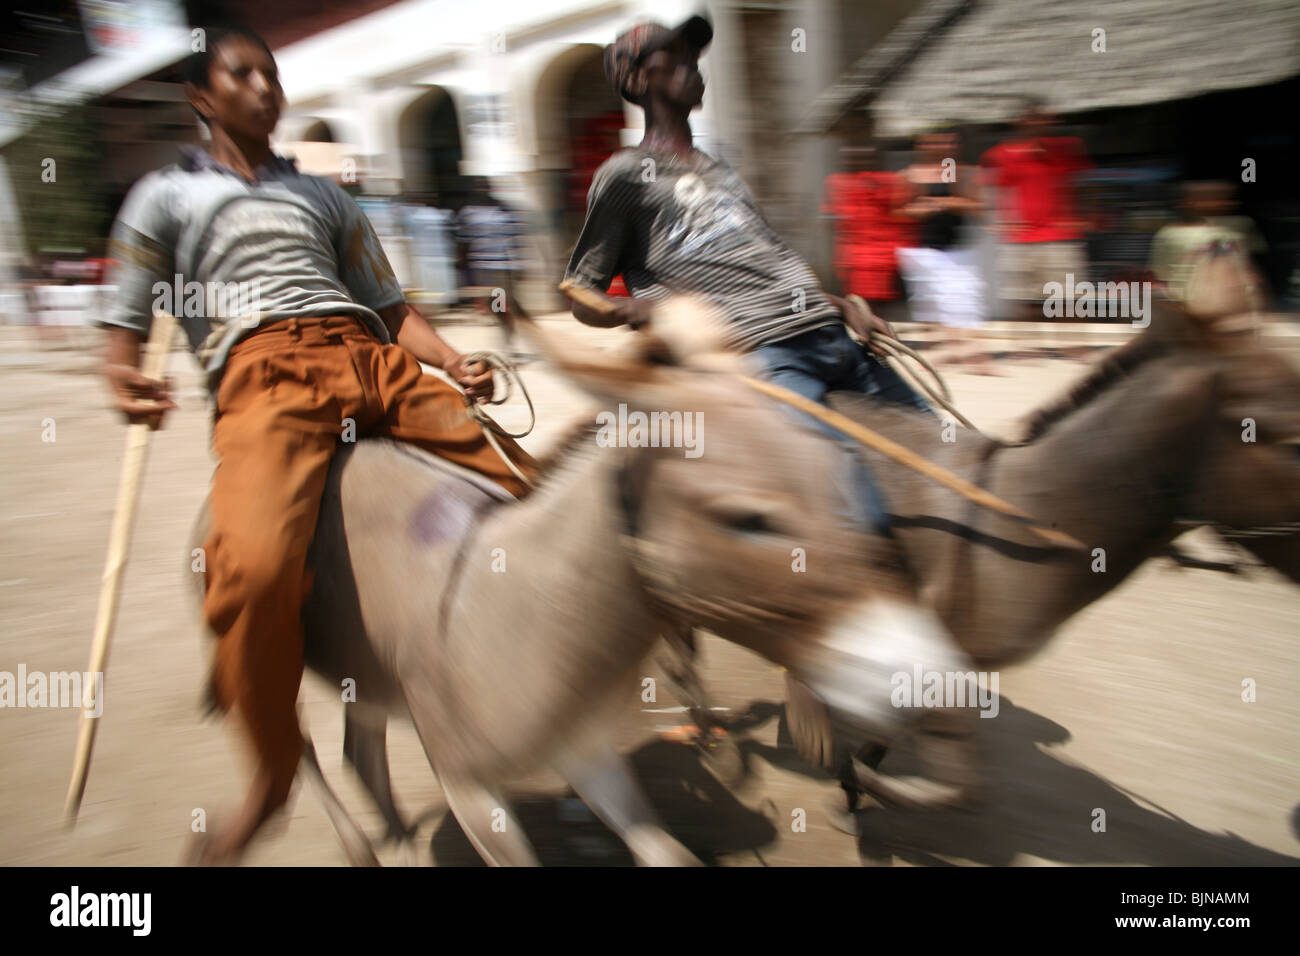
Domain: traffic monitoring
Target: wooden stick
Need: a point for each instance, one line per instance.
(153, 366)
(872, 439)
(588, 297)
(905, 456)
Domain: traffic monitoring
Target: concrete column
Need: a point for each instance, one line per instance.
(724, 69)
(809, 158)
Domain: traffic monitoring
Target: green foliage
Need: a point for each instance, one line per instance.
(72, 210)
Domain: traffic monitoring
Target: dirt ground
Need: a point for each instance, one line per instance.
(1135, 708)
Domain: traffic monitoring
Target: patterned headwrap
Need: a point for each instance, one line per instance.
(633, 45)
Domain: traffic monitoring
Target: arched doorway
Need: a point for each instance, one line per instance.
(594, 116)
(578, 121)
(429, 136)
(318, 132)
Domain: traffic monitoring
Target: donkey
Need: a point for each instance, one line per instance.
(510, 632)
(1192, 423)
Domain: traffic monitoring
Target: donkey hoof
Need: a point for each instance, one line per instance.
(840, 817)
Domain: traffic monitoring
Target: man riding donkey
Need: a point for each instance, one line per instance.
(676, 221)
(332, 351)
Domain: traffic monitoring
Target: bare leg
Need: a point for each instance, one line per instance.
(268, 792)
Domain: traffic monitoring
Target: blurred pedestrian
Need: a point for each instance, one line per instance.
(943, 276)
(1207, 218)
(862, 202)
(430, 231)
(490, 234)
(1040, 230)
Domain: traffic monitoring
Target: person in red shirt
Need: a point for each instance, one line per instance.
(944, 281)
(862, 202)
(1040, 228)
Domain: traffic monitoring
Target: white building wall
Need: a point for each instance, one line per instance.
(361, 77)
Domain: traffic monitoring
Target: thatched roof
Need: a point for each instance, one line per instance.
(970, 61)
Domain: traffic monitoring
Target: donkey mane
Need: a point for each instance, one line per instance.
(1112, 369)
(576, 439)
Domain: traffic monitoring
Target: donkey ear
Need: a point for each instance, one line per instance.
(1224, 293)
(682, 334)
(689, 334)
(604, 373)
(685, 332)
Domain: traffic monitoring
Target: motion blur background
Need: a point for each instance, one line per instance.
(456, 121)
(408, 103)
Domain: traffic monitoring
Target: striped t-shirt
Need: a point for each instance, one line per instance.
(227, 256)
(675, 225)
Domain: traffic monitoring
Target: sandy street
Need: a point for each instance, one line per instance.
(1136, 708)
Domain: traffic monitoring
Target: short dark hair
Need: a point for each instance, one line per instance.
(198, 65)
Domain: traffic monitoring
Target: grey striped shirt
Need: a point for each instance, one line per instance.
(689, 226)
(226, 256)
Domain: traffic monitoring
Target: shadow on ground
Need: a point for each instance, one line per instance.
(695, 808)
(1037, 805)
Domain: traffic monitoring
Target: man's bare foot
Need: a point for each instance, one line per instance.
(196, 849)
(267, 795)
(208, 849)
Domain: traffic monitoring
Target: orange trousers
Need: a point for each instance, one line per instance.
(281, 410)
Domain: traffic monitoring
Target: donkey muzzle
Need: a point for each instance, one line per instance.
(863, 669)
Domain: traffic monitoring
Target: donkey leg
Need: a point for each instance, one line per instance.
(482, 812)
(846, 812)
(355, 843)
(721, 754)
(950, 750)
(945, 743)
(490, 824)
(604, 780)
(365, 747)
(683, 678)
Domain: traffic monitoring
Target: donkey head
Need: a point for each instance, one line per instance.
(1248, 482)
(749, 530)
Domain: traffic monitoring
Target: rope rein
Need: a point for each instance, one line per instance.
(491, 429)
(893, 348)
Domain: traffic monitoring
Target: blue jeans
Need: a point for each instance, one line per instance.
(826, 360)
